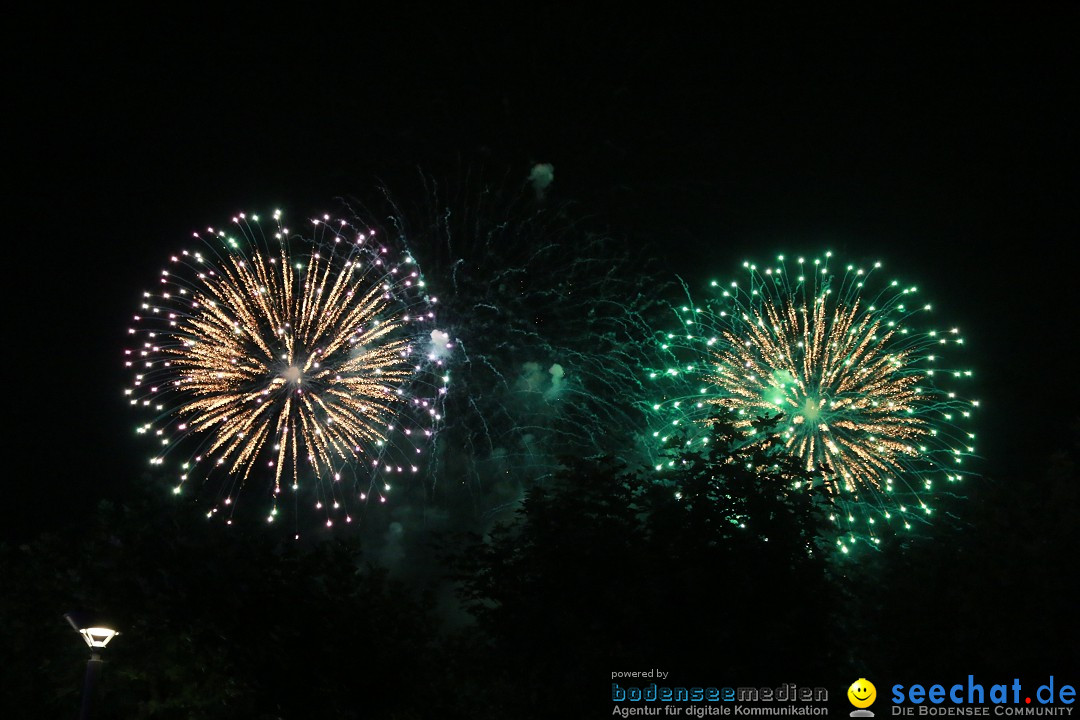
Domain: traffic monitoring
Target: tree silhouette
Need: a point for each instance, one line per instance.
(717, 567)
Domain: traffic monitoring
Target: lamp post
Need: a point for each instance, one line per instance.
(97, 636)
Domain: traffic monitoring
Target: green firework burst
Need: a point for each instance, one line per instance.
(857, 380)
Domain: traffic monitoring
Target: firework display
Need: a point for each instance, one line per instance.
(301, 368)
(857, 384)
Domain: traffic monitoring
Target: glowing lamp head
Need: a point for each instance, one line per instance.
(98, 637)
(96, 634)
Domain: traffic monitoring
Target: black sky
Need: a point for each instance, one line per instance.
(942, 144)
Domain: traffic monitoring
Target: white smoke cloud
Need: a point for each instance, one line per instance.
(440, 345)
(556, 372)
(531, 378)
(550, 383)
(542, 175)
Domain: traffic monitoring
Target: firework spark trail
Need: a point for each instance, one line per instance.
(852, 377)
(547, 318)
(290, 360)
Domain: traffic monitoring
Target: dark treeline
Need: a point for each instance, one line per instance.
(722, 574)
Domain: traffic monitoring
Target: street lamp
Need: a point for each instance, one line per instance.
(97, 635)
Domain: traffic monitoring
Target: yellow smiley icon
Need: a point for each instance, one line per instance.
(862, 693)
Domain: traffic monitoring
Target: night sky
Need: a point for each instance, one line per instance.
(945, 146)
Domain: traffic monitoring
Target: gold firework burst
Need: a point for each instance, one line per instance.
(850, 403)
(290, 363)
